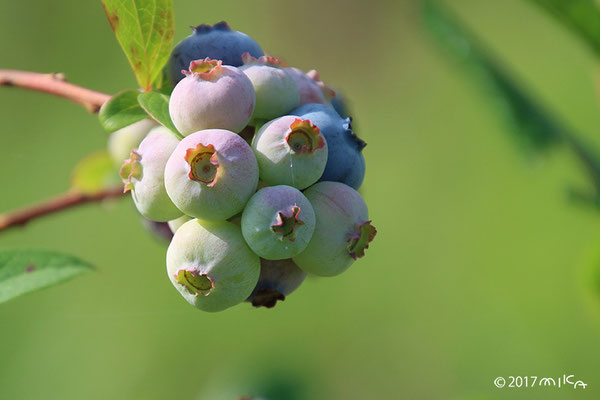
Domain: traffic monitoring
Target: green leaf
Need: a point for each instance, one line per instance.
(144, 29)
(121, 110)
(93, 173)
(157, 106)
(534, 127)
(581, 16)
(25, 271)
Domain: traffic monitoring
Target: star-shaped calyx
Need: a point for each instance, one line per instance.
(359, 239)
(286, 223)
(206, 69)
(130, 170)
(194, 282)
(304, 137)
(204, 164)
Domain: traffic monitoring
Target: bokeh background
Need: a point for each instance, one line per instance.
(482, 266)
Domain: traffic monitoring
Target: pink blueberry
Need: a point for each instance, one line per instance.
(143, 175)
(212, 95)
(310, 86)
(211, 174)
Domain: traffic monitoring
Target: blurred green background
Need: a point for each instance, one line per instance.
(481, 268)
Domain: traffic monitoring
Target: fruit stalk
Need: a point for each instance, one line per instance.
(55, 84)
(55, 204)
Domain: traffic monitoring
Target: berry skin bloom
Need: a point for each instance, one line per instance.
(218, 42)
(278, 222)
(278, 278)
(211, 174)
(212, 96)
(290, 151)
(121, 142)
(276, 91)
(342, 233)
(345, 161)
(143, 174)
(211, 266)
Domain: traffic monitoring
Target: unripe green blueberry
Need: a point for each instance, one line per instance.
(174, 224)
(211, 266)
(290, 151)
(342, 232)
(121, 142)
(278, 278)
(212, 95)
(276, 91)
(143, 174)
(211, 174)
(278, 222)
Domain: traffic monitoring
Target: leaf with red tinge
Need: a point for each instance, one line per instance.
(144, 29)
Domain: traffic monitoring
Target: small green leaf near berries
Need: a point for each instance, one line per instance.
(121, 110)
(157, 106)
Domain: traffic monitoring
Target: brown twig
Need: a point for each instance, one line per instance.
(55, 84)
(55, 204)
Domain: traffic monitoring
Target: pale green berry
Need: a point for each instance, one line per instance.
(211, 266)
(143, 174)
(278, 222)
(290, 151)
(121, 142)
(174, 224)
(342, 233)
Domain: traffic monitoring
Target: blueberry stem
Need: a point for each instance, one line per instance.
(55, 204)
(55, 84)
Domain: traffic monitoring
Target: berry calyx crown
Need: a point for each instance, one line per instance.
(359, 239)
(205, 28)
(286, 223)
(130, 170)
(194, 282)
(206, 69)
(204, 164)
(304, 137)
(264, 60)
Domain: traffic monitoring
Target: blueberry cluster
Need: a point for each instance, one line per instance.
(262, 189)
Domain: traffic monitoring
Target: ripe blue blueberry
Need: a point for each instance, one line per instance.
(345, 162)
(218, 42)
